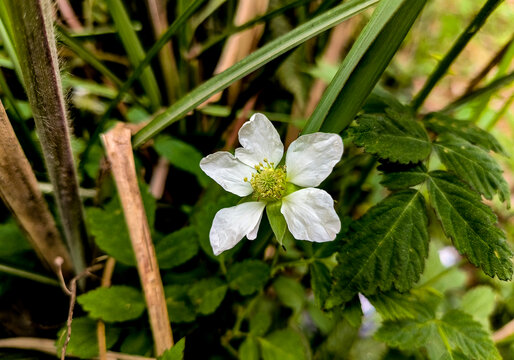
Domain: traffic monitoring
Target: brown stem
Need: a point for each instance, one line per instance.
(100, 329)
(118, 146)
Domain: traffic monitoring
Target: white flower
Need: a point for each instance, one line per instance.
(308, 212)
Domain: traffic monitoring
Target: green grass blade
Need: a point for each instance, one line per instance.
(451, 55)
(6, 36)
(134, 50)
(251, 63)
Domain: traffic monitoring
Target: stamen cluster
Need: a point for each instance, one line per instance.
(268, 183)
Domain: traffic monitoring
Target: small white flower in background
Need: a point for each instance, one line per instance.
(255, 170)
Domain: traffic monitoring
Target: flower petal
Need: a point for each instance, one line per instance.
(311, 158)
(231, 224)
(229, 172)
(310, 215)
(260, 140)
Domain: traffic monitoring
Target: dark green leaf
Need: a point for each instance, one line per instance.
(320, 282)
(206, 295)
(117, 303)
(248, 276)
(473, 165)
(12, 240)
(138, 342)
(249, 349)
(261, 317)
(398, 176)
(83, 341)
(290, 292)
(387, 248)
(176, 352)
(177, 247)
(442, 124)
(393, 136)
(282, 345)
(178, 304)
(470, 224)
(182, 155)
(418, 303)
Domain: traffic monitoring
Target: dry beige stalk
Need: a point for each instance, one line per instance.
(117, 143)
(20, 192)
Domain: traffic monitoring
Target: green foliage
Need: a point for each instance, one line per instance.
(320, 282)
(470, 224)
(83, 343)
(206, 295)
(473, 165)
(398, 176)
(282, 345)
(249, 349)
(176, 352)
(278, 222)
(179, 304)
(456, 330)
(418, 303)
(113, 304)
(177, 248)
(393, 136)
(13, 241)
(479, 303)
(290, 293)
(387, 248)
(248, 276)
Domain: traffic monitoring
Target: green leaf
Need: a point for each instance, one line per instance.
(479, 302)
(418, 303)
(12, 240)
(83, 341)
(364, 65)
(387, 248)
(248, 276)
(442, 124)
(456, 329)
(282, 345)
(439, 277)
(182, 155)
(177, 301)
(399, 176)
(176, 352)
(278, 222)
(115, 304)
(261, 317)
(138, 342)
(206, 295)
(393, 136)
(254, 61)
(320, 282)
(470, 224)
(177, 248)
(249, 349)
(290, 292)
(473, 165)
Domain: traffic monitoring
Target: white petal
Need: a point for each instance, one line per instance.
(310, 215)
(311, 158)
(231, 224)
(260, 140)
(229, 172)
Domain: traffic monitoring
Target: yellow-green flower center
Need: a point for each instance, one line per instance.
(268, 183)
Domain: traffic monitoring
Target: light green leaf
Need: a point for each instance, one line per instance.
(320, 282)
(393, 136)
(206, 295)
(177, 301)
(83, 341)
(278, 222)
(177, 247)
(248, 276)
(114, 304)
(261, 317)
(479, 303)
(387, 248)
(176, 352)
(398, 176)
(418, 303)
(439, 277)
(290, 292)
(456, 329)
(473, 165)
(470, 224)
(249, 349)
(282, 345)
(182, 155)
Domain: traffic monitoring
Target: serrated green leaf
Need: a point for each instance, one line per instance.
(387, 248)
(249, 349)
(114, 304)
(177, 248)
(412, 305)
(456, 329)
(282, 345)
(320, 282)
(177, 301)
(206, 295)
(473, 165)
(83, 341)
(182, 155)
(479, 303)
(393, 136)
(468, 131)
(248, 276)
(470, 224)
(290, 292)
(399, 176)
(278, 222)
(176, 352)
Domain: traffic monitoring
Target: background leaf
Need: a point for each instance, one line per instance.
(248, 276)
(206, 295)
(282, 345)
(177, 247)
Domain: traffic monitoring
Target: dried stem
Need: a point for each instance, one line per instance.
(100, 329)
(20, 192)
(35, 45)
(117, 143)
